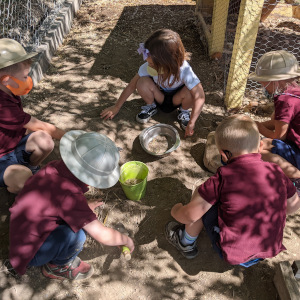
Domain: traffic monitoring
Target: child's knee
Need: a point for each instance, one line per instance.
(43, 140)
(15, 177)
(144, 83)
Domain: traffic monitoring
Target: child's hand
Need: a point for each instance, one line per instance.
(109, 113)
(96, 203)
(189, 131)
(130, 244)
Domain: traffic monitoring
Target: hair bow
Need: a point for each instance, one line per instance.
(144, 51)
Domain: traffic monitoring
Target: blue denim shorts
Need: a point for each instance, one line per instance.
(19, 156)
(288, 151)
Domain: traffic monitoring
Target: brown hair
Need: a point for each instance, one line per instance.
(12, 69)
(238, 134)
(167, 53)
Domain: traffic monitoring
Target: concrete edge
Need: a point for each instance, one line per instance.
(53, 39)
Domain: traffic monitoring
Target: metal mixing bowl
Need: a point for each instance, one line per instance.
(169, 132)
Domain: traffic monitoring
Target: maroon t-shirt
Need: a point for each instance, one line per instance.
(287, 109)
(12, 121)
(251, 196)
(51, 196)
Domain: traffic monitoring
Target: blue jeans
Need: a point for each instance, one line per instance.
(60, 248)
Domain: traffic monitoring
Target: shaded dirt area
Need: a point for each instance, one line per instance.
(90, 70)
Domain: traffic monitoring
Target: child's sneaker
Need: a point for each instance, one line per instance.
(76, 270)
(147, 112)
(184, 117)
(34, 169)
(172, 230)
(296, 183)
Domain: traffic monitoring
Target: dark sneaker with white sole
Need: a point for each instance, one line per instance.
(75, 270)
(146, 114)
(184, 117)
(172, 230)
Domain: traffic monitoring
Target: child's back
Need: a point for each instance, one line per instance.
(243, 207)
(251, 196)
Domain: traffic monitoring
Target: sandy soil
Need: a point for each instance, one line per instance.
(90, 70)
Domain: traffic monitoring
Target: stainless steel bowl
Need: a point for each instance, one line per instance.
(169, 132)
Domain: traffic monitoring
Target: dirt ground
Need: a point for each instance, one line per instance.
(92, 67)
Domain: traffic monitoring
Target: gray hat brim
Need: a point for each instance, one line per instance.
(17, 60)
(101, 182)
(290, 75)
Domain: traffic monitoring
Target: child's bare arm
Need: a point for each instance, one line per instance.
(111, 111)
(108, 236)
(293, 204)
(279, 132)
(192, 212)
(198, 99)
(35, 125)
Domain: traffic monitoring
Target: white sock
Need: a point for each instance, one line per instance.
(152, 105)
(187, 239)
(183, 110)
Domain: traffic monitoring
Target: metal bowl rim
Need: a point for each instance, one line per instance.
(173, 148)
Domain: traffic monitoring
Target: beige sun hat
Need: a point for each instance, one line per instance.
(92, 157)
(276, 65)
(12, 52)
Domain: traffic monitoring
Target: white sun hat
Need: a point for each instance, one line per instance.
(276, 65)
(92, 157)
(12, 52)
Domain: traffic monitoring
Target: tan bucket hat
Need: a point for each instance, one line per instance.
(276, 65)
(12, 52)
(92, 157)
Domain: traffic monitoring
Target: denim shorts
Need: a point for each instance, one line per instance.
(19, 156)
(210, 221)
(288, 151)
(167, 106)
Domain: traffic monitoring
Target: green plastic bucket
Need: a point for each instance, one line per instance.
(133, 179)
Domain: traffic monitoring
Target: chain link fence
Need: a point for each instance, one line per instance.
(278, 29)
(28, 21)
(278, 32)
(39, 25)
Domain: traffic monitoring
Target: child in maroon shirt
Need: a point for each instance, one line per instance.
(24, 141)
(50, 216)
(276, 71)
(243, 207)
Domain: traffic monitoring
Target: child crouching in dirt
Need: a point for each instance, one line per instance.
(165, 81)
(50, 215)
(243, 207)
(277, 72)
(24, 140)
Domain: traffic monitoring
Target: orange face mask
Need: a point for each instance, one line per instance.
(24, 86)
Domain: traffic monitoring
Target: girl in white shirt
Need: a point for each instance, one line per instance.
(165, 81)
